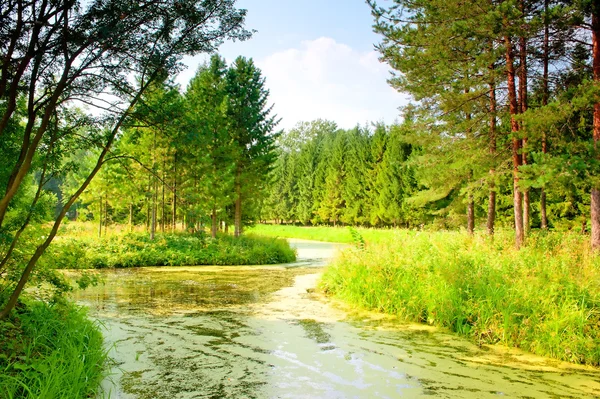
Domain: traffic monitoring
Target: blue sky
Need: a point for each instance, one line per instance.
(318, 59)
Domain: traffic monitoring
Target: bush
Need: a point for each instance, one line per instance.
(136, 249)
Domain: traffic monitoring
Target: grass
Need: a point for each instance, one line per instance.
(322, 233)
(172, 249)
(544, 298)
(50, 352)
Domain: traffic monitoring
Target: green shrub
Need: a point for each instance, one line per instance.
(136, 249)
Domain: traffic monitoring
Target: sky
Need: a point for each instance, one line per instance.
(318, 60)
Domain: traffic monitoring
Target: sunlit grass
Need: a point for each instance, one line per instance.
(321, 233)
(544, 298)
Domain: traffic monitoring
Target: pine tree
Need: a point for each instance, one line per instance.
(252, 128)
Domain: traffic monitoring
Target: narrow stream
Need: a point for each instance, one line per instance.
(261, 332)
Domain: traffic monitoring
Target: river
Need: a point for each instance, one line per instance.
(262, 332)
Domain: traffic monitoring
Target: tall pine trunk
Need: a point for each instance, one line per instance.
(545, 95)
(516, 142)
(595, 205)
(471, 215)
(154, 205)
(523, 105)
(491, 216)
(470, 201)
(238, 205)
(175, 192)
(163, 213)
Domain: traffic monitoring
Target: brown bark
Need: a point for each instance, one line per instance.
(516, 142)
(595, 205)
(523, 108)
(545, 95)
(491, 216)
(471, 215)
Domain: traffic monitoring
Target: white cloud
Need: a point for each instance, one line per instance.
(330, 80)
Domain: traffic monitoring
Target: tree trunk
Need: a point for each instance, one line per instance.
(105, 216)
(131, 217)
(471, 215)
(523, 108)
(214, 227)
(238, 206)
(545, 95)
(595, 205)
(491, 216)
(100, 216)
(163, 213)
(153, 222)
(175, 193)
(516, 143)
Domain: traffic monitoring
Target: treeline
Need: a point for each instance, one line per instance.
(505, 101)
(326, 175)
(185, 161)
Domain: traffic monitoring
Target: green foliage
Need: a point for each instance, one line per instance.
(50, 352)
(136, 250)
(343, 177)
(544, 298)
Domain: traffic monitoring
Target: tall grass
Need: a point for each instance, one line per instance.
(174, 249)
(544, 298)
(321, 233)
(50, 352)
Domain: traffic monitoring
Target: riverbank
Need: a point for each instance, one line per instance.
(170, 249)
(50, 351)
(544, 298)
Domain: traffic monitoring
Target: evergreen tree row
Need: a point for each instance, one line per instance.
(326, 175)
(190, 160)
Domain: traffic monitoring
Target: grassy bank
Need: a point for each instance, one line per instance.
(321, 233)
(50, 352)
(544, 298)
(179, 249)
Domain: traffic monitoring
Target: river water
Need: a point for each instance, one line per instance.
(262, 332)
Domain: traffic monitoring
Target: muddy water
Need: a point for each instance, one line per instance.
(260, 332)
